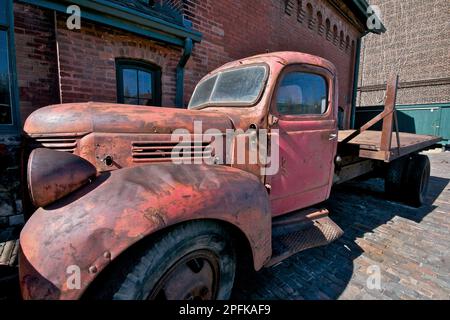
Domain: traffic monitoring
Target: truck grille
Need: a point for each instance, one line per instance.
(161, 151)
(67, 144)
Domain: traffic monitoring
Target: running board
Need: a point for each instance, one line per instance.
(301, 230)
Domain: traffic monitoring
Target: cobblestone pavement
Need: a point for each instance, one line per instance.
(410, 247)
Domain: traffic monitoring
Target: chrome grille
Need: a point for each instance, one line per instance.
(67, 144)
(161, 151)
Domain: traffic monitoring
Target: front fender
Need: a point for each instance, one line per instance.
(94, 225)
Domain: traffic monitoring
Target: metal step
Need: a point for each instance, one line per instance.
(8, 253)
(301, 230)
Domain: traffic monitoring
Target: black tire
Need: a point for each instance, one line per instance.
(416, 180)
(394, 179)
(142, 271)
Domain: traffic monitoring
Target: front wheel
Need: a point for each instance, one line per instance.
(193, 261)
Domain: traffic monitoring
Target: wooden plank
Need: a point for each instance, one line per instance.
(369, 144)
(389, 107)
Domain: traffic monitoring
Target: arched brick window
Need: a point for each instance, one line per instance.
(335, 35)
(300, 12)
(328, 29)
(309, 15)
(138, 83)
(320, 27)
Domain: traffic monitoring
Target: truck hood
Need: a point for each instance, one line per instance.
(84, 118)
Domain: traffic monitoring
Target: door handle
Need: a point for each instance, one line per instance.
(333, 136)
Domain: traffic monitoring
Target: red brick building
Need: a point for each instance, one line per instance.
(151, 52)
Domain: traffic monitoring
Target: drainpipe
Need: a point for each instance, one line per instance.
(188, 46)
(355, 81)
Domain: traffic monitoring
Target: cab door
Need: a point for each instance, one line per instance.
(304, 112)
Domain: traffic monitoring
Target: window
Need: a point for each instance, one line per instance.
(302, 93)
(5, 96)
(237, 87)
(138, 83)
(8, 93)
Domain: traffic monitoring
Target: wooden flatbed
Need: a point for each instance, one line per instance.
(369, 144)
(388, 144)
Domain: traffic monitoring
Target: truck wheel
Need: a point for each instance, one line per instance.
(193, 261)
(417, 178)
(394, 179)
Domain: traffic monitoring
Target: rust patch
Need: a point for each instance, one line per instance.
(154, 216)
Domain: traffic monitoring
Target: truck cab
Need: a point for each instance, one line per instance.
(114, 188)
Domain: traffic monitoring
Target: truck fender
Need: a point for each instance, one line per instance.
(85, 231)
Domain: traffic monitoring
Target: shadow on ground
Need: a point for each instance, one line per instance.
(324, 273)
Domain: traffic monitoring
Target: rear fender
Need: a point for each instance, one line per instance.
(93, 226)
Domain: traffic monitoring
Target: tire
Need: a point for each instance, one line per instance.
(394, 179)
(181, 260)
(416, 180)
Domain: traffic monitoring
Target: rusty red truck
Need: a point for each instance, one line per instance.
(115, 205)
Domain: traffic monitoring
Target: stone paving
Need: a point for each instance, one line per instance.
(409, 247)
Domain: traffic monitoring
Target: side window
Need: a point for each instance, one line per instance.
(5, 97)
(302, 93)
(8, 85)
(138, 83)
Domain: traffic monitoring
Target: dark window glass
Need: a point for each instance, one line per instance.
(4, 6)
(302, 93)
(130, 89)
(138, 84)
(5, 95)
(145, 87)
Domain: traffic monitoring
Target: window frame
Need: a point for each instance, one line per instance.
(7, 26)
(234, 104)
(305, 68)
(148, 67)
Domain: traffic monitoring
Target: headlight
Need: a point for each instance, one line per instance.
(53, 174)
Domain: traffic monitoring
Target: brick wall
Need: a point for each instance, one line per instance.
(231, 30)
(38, 87)
(416, 46)
(236, 29)
(87, 61)
(36, 58)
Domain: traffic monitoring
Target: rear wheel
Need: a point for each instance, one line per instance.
(416, 180)
(194, 261)
(407, 179)
(395, 179)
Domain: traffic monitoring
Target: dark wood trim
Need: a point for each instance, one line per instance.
(408, 84)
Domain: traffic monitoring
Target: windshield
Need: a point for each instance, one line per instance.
(241, 86)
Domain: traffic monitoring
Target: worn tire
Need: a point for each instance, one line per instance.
(416, 180)
(394, 179)
(139, 271)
